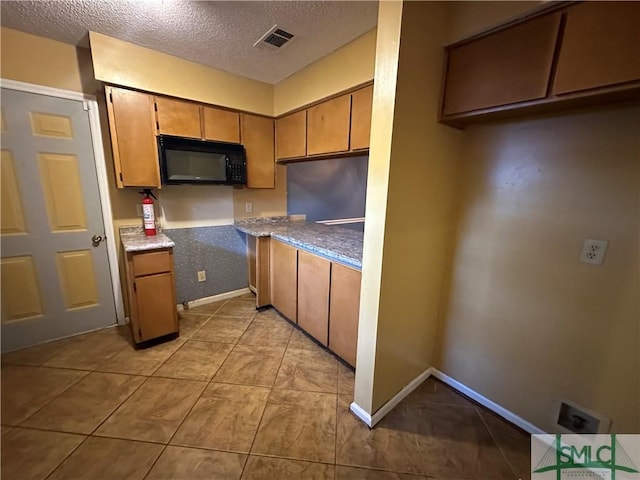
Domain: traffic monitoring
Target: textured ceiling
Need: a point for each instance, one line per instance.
(218, 34)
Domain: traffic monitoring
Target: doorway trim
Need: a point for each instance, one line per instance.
(91, 105)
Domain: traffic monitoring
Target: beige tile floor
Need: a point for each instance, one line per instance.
(241, 394)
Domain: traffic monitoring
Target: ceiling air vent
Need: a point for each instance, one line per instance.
(274, 39)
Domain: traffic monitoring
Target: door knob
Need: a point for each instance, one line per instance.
(96, 239)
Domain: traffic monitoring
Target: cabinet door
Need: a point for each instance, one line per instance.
(156, 305)
(284, 278)
(361, 101)
(600, 46)
(177, 117)
(344, 312)
(313, 295)
(291, 135)
(257, 138)
(135, 152)
(221, 125)
(509, 66)
(328, 126)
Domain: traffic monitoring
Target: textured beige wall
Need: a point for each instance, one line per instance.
(407, 234)
(32, 59)
(38, 60)
(527, 321)
(470, 17)
(346, 67)
(523, 321)
(386, 71)
(127, 64)
(123, 63)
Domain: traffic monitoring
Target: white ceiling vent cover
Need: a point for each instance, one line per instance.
(274, 39)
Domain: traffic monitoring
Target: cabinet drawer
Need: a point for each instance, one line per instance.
(150, 263)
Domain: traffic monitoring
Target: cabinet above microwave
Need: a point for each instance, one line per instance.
(137, 118)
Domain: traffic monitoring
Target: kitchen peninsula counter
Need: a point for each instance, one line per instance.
(311, 274)
(333, 242)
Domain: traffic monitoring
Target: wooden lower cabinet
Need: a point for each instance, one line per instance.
(321, 296)
(344, 312)
(283, 260)
(313, 295)
(258, 268)
(152, 296)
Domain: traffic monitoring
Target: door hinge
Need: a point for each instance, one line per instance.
(155, 106)
(85, 106)
(121, 179)
(111, 97)
(139, 333)
(157, 126)
(134, 287)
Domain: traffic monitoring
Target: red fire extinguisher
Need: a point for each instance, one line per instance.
(148, 214)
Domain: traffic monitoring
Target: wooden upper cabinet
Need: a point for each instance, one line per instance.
(314, 278)
(600, 46)
(361, 101)
(132, 126)
(328, 126)
(509, 66)
(221, 125)
(178, 117)
(291, 135)
(257, 138)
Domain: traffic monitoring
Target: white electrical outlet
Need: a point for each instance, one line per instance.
(202, 276)
(593, 251)
(248, 207)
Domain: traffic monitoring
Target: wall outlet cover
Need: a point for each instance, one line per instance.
(248, 207)
(593, 251)
(202, 276)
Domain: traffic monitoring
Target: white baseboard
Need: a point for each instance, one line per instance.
(372, 420)
(215, 298)
(485, 402)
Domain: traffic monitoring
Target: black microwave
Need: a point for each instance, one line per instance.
(191, 160)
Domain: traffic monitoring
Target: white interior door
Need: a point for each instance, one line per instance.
(55, 280)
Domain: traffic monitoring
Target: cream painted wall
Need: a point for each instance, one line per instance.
(384, 89)
(471, 17)
(527, 321)
(38, 60)
(522, 319)
(31, 59)
(123, 63)
(346, 67)
(414, 159)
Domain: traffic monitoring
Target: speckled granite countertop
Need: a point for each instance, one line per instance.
(134, 240)
(332, 242)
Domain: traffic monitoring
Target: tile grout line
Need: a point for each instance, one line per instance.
(192, 406)
(266, 404)
(119, 405)
(495, 440)
(176, 430)
(55, 397)
(67, 457)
